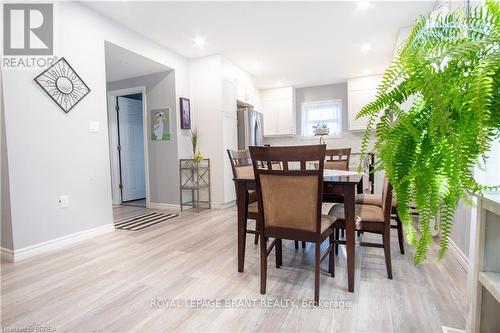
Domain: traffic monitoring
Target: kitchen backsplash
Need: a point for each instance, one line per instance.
(347, 140)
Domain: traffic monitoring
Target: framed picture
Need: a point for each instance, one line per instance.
(160, 125)
(185, 113)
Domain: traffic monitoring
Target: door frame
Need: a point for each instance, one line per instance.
(113, 141)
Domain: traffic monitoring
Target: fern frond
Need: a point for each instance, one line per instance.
(449, 72)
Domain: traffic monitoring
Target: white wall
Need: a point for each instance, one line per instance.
(206, 101)
(52, 153)
(5, 218)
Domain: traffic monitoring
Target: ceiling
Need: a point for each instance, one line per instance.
(297, 43)
(123, 64)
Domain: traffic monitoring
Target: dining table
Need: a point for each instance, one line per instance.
(337, 184)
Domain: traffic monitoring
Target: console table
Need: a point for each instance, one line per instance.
(194, 178)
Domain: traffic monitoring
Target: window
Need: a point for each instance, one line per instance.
(322, 112)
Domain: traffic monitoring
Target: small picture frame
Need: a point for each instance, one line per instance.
(185, 113)
(160, 124)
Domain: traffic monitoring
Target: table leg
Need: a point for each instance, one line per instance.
(350, 231)
(241, 198)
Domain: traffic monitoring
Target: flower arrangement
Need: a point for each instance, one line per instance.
(321, 129)
(197, 156)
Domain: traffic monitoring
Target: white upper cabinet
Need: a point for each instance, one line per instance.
(241, 92)
(243, 82)
(228, 97)
(278, 108)
(360, 91)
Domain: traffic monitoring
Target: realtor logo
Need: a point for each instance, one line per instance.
(28, 29)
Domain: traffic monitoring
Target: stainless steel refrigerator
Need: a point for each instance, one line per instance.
(250, 128)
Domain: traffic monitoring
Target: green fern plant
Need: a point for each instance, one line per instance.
(448, 71)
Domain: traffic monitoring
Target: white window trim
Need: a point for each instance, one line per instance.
(335, 136)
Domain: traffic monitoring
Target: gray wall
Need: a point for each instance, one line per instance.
(6, 221)
(55, 153)
(318, 93)
(163, 155)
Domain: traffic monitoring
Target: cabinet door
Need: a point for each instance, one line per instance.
(228, 97)
(278, 107)
(357, 100)
(361, 91)
(285, 117)
(241, 92)
(270, 117)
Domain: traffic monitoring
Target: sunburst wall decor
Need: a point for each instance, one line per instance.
(63, 85)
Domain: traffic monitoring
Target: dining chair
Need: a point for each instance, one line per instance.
(371, 219)
(376, 200)
(241, 164)
(338, 159)
(290, 203)
(373, 199)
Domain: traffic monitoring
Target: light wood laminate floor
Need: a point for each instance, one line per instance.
(107, 284)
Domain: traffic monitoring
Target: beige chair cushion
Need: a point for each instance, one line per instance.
(326, 222)
(372, 199)
(290, 201)
(245, 172)
(253, 207)
(369, 199)
(363, 213)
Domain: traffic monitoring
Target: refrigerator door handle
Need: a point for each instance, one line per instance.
(258, 132)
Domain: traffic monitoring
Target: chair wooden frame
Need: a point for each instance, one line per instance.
(338, 155)
(241, 158)
(394, 216)
(378, 228)
(262, 159)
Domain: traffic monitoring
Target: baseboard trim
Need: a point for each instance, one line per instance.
(177, 208)
(7, 254)
(163, 206)
(54, 244)
(459, 255)
(447, 329)
(223, 205)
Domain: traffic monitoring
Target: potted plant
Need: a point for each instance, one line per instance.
(321, 129)
(448, 71)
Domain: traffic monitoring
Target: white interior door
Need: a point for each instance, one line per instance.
(131, 140)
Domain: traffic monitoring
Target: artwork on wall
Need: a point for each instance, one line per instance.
(160, 124)
(185, 113)
(63, 85)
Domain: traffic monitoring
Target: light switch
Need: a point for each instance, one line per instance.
(94, 127)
